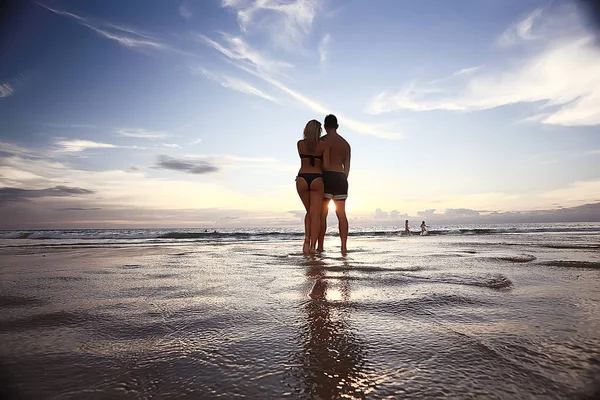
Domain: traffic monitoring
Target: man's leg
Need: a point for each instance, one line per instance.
(340, 211)
(324, 211)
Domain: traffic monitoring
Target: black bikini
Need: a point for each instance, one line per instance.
(312, 158)
(310, 176)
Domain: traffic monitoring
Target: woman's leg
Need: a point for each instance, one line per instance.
(316, 198)
(304, 193)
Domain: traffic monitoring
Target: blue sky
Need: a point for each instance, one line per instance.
(186, 113)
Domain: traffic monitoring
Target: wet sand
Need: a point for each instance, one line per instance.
(415, 318)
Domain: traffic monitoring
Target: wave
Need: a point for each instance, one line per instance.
(278, 234)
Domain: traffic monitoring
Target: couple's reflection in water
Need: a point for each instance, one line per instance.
(331, 356)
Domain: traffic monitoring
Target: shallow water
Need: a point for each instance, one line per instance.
(495, 316)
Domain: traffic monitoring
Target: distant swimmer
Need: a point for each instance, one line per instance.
(424, 229)
(406, 230)
(336, 168)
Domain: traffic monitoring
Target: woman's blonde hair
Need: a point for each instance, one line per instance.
(312, 133)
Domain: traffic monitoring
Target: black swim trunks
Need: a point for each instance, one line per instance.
(336, 185)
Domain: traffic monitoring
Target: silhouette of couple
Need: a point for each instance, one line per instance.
(323, 176)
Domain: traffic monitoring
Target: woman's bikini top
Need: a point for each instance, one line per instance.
(312, 158)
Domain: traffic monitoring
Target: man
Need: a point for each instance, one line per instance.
(336, 168)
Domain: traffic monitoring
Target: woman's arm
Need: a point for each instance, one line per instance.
(326, 154)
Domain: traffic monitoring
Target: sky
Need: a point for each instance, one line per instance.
(147, 113)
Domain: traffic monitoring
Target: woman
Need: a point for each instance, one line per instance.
(309, 182)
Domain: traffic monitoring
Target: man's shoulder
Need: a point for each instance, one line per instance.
(344, 140)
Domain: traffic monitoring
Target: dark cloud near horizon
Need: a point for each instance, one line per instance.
(426, 213)
(11, 195)
(78, 209)
(189, 166)
(461, 212)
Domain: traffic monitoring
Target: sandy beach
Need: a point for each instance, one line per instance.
(493, 316)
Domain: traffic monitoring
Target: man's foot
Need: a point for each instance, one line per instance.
(320, 250)
(344, 250)
(311, 250)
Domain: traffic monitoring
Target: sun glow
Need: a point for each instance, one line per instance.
(332, 206)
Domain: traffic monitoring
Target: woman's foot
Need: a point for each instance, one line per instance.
(305, 247)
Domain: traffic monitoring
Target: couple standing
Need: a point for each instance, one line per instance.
(323, 176)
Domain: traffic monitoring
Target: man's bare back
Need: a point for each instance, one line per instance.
(338, 155)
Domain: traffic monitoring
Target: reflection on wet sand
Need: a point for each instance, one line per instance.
(331, 356)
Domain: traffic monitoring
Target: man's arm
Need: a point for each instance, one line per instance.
(347, 163)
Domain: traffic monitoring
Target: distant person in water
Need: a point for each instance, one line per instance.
(336, 168)
(423, 229)
(309, 182)
(406, 230)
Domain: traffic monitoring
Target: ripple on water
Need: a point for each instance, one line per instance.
(573, 264)
(521, 258)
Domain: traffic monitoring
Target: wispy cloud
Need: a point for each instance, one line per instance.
(78, 145)
(468, 70)
(521, 30)
(239, 59)
(195, 141)
(233, 83)
(127, 37)
(288, 22)
(172, 145)
(6, 90)
(185, 11)
(189, 166)
(324, 48)
(239, 50)
(142, 133)
(565, 74)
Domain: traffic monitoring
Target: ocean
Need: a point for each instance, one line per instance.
(467, 312)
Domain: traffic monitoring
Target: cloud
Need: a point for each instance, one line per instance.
(69, 209)
(189, 166)
(427, 213)
(195, 141)
(233, 83)
(184, 10)
(127, 37)
(6, 90)
(12, 194)
(520, 30)
(324, 48)
(172, 145)
(257, 67)
(563, 76)
(239, 50)
(288, 22)
(460, 212)
(77, 145)
(142, 134)
(468, 70)
(380, 214)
